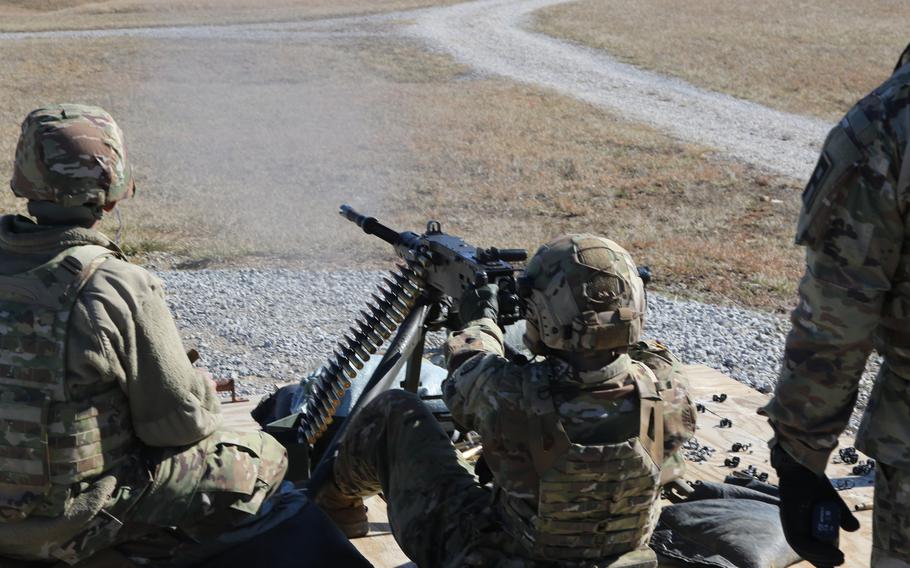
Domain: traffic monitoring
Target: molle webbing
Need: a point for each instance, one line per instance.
(594, 501)
(50, 440)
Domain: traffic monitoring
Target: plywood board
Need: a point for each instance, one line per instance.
(748, 427)
(379, 547)
(235, 416)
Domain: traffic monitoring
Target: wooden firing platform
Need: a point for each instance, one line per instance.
(748, 427)
(740, 407)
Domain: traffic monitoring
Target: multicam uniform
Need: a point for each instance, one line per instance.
(108, 435)
(855, 295)
(576, 473)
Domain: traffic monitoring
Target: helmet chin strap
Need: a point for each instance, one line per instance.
(49, 213)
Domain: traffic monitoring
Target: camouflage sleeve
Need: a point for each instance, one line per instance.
(124, 331)
(852, 227)
(479, 374)
(679, 410)
(679, 417)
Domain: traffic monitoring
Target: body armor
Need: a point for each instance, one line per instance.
(591, 501)
(53, 434)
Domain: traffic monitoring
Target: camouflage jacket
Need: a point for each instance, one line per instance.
(120, 331)
(481, 381)
(855, 294)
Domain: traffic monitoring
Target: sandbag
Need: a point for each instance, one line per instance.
(723, 533)
(710, 490)
(754, 484)
(309, 539)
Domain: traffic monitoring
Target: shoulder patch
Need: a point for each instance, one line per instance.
(822, 169)
(834, 175)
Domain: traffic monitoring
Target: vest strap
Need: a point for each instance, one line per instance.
(547, 437)
(651, 429)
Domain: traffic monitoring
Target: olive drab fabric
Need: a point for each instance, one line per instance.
(52, 436)
(854, 296)
(71, 155)
(582, 293)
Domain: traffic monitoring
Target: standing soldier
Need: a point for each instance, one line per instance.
(109, 440)
(855, 296)
(576, 440)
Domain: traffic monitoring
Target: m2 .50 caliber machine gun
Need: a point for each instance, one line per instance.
(421, 295)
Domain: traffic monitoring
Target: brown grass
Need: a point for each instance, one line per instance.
(516, 167)
(244, 150)
(36, 15)
(812, 57)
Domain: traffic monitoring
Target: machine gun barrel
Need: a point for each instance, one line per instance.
(372, 226)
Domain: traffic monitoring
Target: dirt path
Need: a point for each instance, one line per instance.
(342, 27)
(491, 36)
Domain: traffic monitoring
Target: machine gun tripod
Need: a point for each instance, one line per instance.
(421, 296)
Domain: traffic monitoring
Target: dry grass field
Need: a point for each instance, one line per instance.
(812, 57)
(243, 151)
(37, 15)
(517, 166)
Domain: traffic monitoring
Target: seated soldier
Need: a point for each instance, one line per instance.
(576, 439)
(110, 440)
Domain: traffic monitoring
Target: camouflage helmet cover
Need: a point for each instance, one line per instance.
(71, 155)
(583, 293)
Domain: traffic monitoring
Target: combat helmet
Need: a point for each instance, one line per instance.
(582, 293)
(71, 156)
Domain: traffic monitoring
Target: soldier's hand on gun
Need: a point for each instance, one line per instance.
(811, 511)
(479, 302)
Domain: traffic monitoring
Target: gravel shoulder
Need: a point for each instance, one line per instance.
(264, 327)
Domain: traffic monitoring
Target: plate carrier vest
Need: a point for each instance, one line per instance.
(51, 435)
(594, 502)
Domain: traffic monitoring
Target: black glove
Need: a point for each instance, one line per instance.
(479, 302)
(811, 511)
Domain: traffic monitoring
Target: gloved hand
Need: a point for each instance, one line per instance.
(811, 511)
(479, 302)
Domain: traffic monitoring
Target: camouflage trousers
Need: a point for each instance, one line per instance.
(891, 518)
(197, 497)
(437, 509)
(439, 513)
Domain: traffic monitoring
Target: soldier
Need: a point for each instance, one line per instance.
(855, 295)
(576, 439)
(109, 439)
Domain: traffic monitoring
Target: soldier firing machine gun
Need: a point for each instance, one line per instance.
(421, 295)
